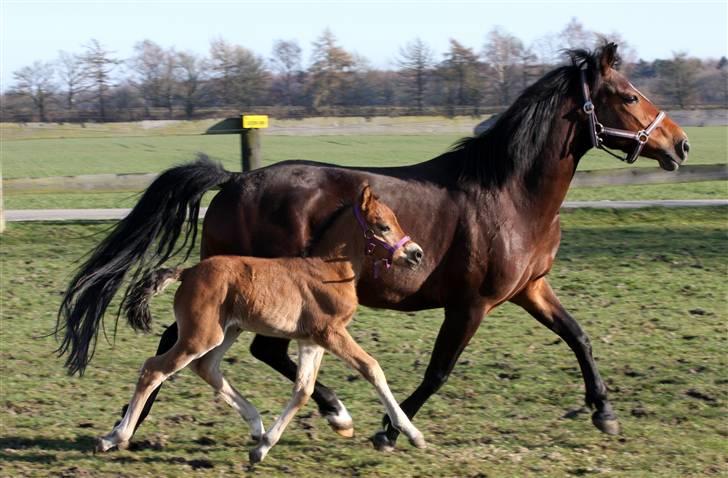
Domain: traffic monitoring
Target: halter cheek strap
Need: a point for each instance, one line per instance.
(372, 242)
(597, 130)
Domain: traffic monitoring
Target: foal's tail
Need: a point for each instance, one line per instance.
(141, 242)
(136, 304)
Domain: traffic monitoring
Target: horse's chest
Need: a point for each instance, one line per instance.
(510, 260)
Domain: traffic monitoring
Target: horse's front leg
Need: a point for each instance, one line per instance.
(461, 323)
(274, 352)
(541, 302)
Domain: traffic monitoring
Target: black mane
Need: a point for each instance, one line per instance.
(511, 146)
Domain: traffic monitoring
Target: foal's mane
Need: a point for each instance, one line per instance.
(512, 145)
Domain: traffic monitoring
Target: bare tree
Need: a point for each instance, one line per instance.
(331, 70)
(503, 51)
(722, 66)
(154, 69)
(286, 62)
(36, 82)
(239, 74)
(574, 35)
(98, 66)
(460, 71)
(73, 77)
(191, 71)
(677, 78)
(415, 62)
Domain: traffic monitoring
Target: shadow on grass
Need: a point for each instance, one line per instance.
(628, 242)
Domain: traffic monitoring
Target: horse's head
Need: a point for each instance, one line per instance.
(627, 120)
(386, 241)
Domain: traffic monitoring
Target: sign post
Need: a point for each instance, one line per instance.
(248, 127)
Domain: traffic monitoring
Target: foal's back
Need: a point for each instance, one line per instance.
(284, 297)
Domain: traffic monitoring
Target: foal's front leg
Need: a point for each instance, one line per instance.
(341, 344)
(309, 361)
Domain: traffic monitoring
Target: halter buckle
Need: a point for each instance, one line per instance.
(588, 107)
(642, 136)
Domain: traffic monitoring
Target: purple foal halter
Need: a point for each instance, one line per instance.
(373, 241)
(597, 130)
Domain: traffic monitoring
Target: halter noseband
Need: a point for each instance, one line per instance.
(372, 242)
(598, 130)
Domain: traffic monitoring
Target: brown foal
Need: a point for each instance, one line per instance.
(311, 300)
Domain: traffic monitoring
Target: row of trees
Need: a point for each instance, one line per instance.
(159, 82)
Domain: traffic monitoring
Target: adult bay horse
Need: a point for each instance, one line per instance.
(491, 231)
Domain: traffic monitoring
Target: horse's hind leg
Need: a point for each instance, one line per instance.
(154, 371)
(341, 344)
(541, 302)
(309, 361)
(208, 368)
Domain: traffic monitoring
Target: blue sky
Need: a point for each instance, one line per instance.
(37, 30)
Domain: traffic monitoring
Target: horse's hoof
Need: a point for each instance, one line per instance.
(341, 422)
(102, 445)
(344, 432)
(610, 426)
(381, 442)
(418, 441)
(124, 445)
(256, 455)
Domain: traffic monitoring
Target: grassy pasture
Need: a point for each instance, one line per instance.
(647, 285)
(56, 150)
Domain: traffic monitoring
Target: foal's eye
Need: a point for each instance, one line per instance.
(629, 99)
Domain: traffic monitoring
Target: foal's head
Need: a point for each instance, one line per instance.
(621, 108)
(385, 239)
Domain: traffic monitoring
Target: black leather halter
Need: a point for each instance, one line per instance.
(597, 131)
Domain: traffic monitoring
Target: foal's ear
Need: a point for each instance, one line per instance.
(366, 197)
(608, 57)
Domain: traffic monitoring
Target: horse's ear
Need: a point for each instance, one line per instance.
(366, 197)
(608, 57)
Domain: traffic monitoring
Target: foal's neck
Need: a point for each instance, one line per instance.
(342, 245)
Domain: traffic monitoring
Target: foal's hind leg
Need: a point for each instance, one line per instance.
(341, 344)
(208, 367)
(540, 301)
(309, 361)
(154, 371)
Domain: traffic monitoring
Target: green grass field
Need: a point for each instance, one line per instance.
(56, 150)
(648, 286)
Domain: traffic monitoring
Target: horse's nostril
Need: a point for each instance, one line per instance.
(418, 254)
(685, 146)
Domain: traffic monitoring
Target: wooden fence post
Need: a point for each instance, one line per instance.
(250, 149)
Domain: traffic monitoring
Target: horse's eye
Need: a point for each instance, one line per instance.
(631, 99)
(383, 227)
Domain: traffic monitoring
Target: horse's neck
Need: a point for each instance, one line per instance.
(548, 181)
(342, 246)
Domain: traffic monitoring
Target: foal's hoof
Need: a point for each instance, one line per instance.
(344, 432)
(418, 441)
(102, 445)
(341, 422)
(381, 442)
(610, 426)
(256, 455)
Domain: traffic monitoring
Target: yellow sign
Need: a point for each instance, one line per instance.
(255, 121)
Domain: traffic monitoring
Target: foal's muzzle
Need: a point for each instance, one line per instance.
(414, 256)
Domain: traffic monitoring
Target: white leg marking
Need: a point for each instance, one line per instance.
(208, 368)
(310, 356)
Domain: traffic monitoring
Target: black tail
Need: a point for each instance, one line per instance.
(136, 303)
(142, 241)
